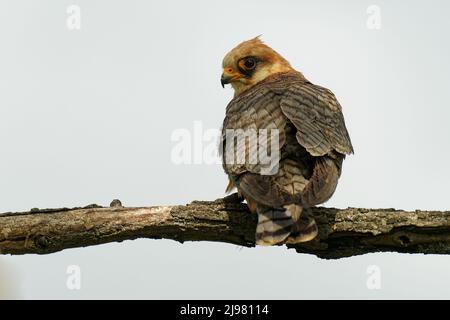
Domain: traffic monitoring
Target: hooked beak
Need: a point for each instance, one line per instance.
(224, 80)
(228, 76)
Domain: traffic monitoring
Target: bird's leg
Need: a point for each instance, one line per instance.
(232, 198)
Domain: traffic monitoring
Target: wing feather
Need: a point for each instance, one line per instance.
(257, 109)
(317, 116)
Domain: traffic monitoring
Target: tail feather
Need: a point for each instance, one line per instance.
(274, 226)
(284, 225)
(305, 229)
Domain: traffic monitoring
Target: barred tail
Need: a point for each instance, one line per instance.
(290, 224)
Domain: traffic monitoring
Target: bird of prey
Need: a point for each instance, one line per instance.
(312, 142)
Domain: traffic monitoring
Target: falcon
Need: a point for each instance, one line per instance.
(311, 142)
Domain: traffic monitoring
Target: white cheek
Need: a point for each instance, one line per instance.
(260, 75)
(277, 67)
(266, 71)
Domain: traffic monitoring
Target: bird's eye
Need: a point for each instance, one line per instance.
(249, 63)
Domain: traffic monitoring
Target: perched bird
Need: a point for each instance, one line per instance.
(312, 141)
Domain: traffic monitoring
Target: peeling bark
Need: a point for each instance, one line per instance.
(342, 232)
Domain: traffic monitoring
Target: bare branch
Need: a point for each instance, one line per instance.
(342, 232)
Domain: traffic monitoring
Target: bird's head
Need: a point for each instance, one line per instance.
(249, 63)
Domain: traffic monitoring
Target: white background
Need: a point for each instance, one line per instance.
(87, 116)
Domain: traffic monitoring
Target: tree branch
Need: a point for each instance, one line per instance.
(342, 232)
